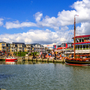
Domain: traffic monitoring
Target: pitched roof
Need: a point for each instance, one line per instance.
(17, 43)
(2, 42)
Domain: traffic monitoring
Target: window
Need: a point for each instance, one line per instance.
(89, 46)
(86, 46)
(80, 46)
(76, 47)
(82, 40)
(3, 44)
(79, 40)
(83, 46)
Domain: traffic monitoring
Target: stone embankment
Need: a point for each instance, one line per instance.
(30, 58)
(2, 57)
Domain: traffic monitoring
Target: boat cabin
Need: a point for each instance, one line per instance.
(82, 42)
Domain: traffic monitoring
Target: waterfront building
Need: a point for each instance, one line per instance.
(49, 46)
(13, 48)
(3, 46)
(65, 46)
(21, 47)
(82, 44)
(28, 48)
(7, 47)
(38, 48)
(17, 46)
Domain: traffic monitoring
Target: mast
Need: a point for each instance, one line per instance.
(74, 34)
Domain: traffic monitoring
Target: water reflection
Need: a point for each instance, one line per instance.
(21, 62)
(28, 75)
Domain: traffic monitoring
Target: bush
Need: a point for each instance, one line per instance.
(35, 53)
(24, 53)
(20, 53)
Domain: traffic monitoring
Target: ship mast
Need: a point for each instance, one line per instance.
(74, 34)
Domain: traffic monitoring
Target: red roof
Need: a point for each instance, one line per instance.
(81, 42)
(82, 36)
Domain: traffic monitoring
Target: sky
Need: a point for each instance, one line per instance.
(43, 21)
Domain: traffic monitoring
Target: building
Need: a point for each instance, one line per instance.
(7, 47)
(17, 47)
(82, 45)
(28, 48)
(49, 46)
(13, 48)
(82, 42)
(3, 46)
(21, 47)
(38, 48)
(65, 46)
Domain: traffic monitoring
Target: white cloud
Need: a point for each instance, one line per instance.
(37, 36)
(1, 23)
(83, 9)
(38, 16)
(59, 24)
(17, 24)
(84, 29)
(64, 18)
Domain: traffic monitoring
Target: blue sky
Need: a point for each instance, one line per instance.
(24, 10)
(42, 21)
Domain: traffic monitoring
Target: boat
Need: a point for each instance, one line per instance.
(11, 59)
(81, 59)
(77, 61)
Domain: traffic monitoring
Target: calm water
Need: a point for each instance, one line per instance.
(44, 76)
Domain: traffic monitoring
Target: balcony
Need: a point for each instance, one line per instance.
(82, 51)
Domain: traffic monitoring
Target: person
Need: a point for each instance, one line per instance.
(60, 56)
(80, 56)
(33, 55)
(72, 55)
(41, 54)
(55, 56)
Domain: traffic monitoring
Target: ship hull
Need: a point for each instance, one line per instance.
(11, 60)
(77, 62)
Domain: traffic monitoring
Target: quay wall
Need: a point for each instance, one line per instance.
(30, 58)
(27, 58)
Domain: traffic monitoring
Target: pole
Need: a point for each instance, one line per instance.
(74, 34)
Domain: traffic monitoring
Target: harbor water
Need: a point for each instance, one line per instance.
(44, 76)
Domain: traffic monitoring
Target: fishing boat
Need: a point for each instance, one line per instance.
(82, 59)
(11, 59)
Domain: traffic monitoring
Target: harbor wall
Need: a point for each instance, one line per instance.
(27, 58)
(30, 58)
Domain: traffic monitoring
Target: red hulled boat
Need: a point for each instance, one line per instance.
(11, 59)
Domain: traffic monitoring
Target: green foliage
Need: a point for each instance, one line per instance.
(35, 53)
(20, 53)
(69, 49)
(49, 51)
(24, 53)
